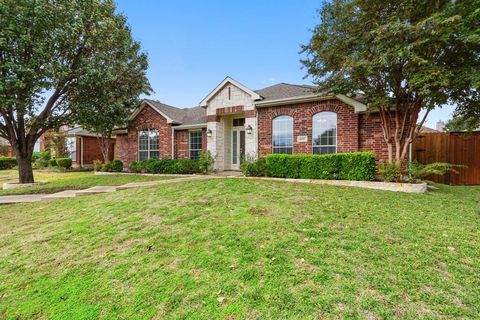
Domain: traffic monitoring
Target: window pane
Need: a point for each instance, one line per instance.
(282, 134)
(234, 147)
(148, 144)
(195, 144)
(324, 133)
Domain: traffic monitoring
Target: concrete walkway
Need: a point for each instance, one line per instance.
(93, 190)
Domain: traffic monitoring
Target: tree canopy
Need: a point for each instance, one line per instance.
(56, 58)
(402, 55)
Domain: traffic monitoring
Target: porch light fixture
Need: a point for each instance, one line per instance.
(249, 129)
(209, 133)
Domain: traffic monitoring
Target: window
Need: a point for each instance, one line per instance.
(148, 144)
(72, 147)
(239, 122)
(324, 135)
(195, 144)
(282, 134)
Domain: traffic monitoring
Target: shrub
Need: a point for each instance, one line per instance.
(52, 163)
(41, 159)
(97, 165)
(165, 166)
(338, 166)
(65, 163)
(7, 163)
(135, 167)
(390, 171)
(419, 171)
(254, 168)
(115, 166)
(206, 162)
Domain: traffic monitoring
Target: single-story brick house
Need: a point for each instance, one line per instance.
(234, 121)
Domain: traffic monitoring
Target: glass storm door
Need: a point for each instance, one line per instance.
(238, 147)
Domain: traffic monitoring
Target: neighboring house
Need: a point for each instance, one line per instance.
(234, 121)
(425, 129)
(6, 149)
(84, 148)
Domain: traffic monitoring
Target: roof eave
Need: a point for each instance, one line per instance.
(190, 126)
(358, 106)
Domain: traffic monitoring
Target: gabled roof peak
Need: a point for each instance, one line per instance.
(228, 79)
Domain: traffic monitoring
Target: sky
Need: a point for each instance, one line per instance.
(193, 45)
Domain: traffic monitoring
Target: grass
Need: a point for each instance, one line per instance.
(59, 181)
(243, 249)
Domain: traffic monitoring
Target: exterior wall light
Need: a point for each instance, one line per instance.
(249, 129)
(209, 133)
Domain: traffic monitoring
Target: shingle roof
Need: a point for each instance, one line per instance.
(197, 115)
(285, 90)
(184, 116)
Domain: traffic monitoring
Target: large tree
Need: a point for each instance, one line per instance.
(53, 54)
(404, 56)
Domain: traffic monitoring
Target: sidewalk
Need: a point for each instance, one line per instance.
(93, 190)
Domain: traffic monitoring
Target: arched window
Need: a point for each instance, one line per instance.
(324, 134)
(148, 144)
(282, 135)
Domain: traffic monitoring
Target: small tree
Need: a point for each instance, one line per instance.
(404, 56)
(55, 141)
(461, 123)
(53, 57)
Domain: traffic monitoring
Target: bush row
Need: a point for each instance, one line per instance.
(339, 166)
(165, 166)
(114, 166)
(7, 163)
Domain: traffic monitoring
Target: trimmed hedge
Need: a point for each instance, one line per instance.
(339, 166)
(65, 163)
(52, 162)
(115, 166)
(165, 166)
(7, 163)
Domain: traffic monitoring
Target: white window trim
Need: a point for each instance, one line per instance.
(189, 145)
(336, 133)
(148, 144)
(293, 134)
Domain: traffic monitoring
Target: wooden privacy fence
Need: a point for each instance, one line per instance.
(455, 148)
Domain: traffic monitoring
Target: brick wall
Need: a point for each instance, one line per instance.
(147, 118)
(181, 143)
(371, 136)
(347, 125)
(91, 150)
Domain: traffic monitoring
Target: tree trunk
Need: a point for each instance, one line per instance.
(25, 170)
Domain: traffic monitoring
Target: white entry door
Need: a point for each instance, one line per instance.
(238, 147)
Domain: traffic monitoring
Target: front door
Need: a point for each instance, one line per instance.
(238, 147)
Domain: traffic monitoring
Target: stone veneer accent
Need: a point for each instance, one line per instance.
(347, 125)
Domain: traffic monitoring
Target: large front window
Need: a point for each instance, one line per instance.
(282, 134)
(148, 144)
(324, 134)
(195, 144)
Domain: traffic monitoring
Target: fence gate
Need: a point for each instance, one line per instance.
(454, 148)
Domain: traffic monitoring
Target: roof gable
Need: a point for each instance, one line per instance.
(173, 115)
(227, 80)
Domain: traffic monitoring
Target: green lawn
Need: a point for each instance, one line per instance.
(59, 181)
(243, 249)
